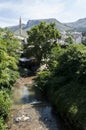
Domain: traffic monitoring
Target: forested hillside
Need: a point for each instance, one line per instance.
(79, 25)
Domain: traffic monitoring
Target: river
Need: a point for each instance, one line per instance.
(30, 111)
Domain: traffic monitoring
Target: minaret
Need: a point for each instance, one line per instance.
(20, 27)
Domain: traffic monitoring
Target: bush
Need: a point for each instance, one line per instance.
(9, 56)
(2, 125)
(42, 78)
(72, 64)
(66, 84)
(5, 103)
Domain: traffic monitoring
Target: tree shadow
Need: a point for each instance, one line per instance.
(48, 119)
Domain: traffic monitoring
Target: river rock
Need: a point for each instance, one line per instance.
(22, 118)
(25, 118)
(18, 119)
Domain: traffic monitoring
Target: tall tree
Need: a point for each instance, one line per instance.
(69, 40)
(9, 56)
(41, 39)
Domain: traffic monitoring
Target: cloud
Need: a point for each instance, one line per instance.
(43, 10)
(74, 10)
(81, 5)
(7, 22)
(30, 9)
(69, 10)
(79, 2)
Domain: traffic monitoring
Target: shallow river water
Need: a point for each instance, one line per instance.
(30, 111)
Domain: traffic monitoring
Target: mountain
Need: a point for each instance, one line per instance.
(59, 25)
(16, 27)
(79, 25)
(30, 23)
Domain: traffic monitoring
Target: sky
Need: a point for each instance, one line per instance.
(62, 10)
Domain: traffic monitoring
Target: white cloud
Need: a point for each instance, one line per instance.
(11, 10)
(74, 12)
(39, 9)
(7, 22)
(33, 9)
(81, 5)
(80, 2)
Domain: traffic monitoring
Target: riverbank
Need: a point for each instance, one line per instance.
(63, 97)
(64, 83)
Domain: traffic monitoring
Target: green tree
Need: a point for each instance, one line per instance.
(72, 64)
(9, 56)
(56, 52)
(41, 39)
(66, 84)
(12, 44)
(69, 40)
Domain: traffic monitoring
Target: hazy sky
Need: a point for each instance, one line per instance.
(62, 10)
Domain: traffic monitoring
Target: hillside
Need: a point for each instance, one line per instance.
(59, 25)
(15, 28)
(79, 25)
(30, 23)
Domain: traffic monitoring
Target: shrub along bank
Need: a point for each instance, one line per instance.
(64, 82)
(9, 54)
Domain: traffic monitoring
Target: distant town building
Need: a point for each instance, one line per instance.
(84, 40)
(77, 37)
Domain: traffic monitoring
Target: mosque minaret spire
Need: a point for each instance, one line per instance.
(20, 27)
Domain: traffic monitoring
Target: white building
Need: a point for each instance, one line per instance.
(77, 37)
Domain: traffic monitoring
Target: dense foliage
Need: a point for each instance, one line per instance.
(64, 79)
(69, 40)
(41, 39)
(4, 104)
(9, 54)
(65, 82)
(2, 126)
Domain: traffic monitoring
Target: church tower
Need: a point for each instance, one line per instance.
(20, 27)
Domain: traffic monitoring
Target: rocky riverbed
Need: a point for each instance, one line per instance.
(29, 111)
